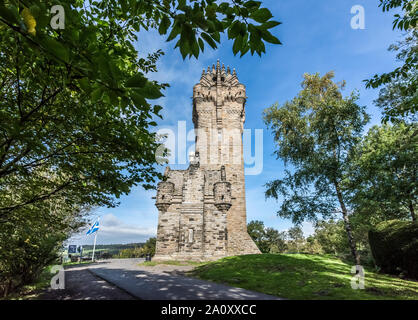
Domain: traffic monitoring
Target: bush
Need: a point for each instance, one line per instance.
(394, 246)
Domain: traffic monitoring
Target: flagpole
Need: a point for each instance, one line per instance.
(94, 246)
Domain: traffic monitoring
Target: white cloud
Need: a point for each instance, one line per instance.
(114, 231)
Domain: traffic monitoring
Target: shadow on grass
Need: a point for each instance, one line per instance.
(301, 276)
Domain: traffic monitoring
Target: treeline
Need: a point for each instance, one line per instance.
(138, 251)
(113, 247)
(329, 237)
(345, 180)
(336, 170)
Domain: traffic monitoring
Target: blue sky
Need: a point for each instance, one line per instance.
(317, 37)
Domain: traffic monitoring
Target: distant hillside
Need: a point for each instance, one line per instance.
(112, 248)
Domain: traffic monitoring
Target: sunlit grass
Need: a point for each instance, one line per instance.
(302, 276)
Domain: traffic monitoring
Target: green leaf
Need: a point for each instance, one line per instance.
(209, 40)
(270, 24)
(234, 29)
(9, 14)
(174, 32)
(266, 35)
(181, 4)
(216, 36)
(137, 81)
(237, 45)
(261, 15)
(150, 91)
(56, 49)
(85, 84)
(164, 25)
(251, 5)
(138, 99)
(157, 109)
(201, 44)
(195, 49)
(97, 94)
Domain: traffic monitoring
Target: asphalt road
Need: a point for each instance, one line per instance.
(81, 284)
(126, 279)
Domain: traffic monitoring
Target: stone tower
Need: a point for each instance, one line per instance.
(202, 212)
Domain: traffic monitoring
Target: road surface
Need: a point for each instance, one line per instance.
(127, 279)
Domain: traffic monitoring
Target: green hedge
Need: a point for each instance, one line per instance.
(394, 246)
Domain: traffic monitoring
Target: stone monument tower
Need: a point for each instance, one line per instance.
(202, 212)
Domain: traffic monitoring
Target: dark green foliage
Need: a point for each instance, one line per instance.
(139, 251)
(331, 237)
(394, 245)
(409, 10)
(399, 97)
(31, 239)
(383, 173)
(268, 240)
(112, 248)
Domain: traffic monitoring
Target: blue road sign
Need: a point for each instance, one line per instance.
(72, 248)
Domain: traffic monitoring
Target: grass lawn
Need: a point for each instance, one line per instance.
(76, 263)
(302, 276)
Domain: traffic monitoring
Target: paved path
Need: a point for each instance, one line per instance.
(167, 283)
(80, 284)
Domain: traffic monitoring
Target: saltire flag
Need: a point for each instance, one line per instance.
(93, 228)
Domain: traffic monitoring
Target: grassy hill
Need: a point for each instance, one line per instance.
(302, 276)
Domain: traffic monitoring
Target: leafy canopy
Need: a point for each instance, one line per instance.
(77, 101)
(314, 134)
(383, 173)
(400, 96)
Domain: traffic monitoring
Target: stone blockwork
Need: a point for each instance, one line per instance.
(202, 212)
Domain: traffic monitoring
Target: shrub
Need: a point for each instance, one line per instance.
(394, 246)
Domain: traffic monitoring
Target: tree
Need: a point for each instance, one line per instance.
(315, 133)
(399, 98)
(268, 240)
(256, 231)
(384, 173)
(331, 236)
(409, 10)
(77, 99)
(139, 252)
(31, 239)
(276, 240)
(149, 246)
(295, 235)
(76, 117)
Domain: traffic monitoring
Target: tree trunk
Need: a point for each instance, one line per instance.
(347, 226)
(412, 210)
